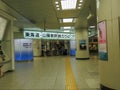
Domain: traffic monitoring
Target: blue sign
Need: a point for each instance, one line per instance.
(23, 49)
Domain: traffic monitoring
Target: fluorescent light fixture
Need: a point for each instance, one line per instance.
(91, 26)
(57, 5)
(66, 30)
(67, 27)
(80, 4)
(68, 4)
(58, 8)
(56, 2)
(79, 7)
(89, 16)
(67, 20)
(81, 0)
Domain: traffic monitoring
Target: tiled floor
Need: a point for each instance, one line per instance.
(49, 73)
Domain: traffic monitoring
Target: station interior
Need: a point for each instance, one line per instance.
(59, 45)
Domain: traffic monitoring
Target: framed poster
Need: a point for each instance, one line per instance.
(102, 40)
(83, 45)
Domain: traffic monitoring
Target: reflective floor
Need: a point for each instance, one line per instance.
(53, 73)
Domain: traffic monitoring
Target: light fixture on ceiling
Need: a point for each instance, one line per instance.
(79, 4)
(79, 7)
(57, 6)
(66, 30)
(81, 0)
(89, 16)
(56, 2)
(67, 20)
(68, 4)
(91, 26)
(67, 27)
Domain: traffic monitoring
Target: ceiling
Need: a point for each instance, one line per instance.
(43, 13)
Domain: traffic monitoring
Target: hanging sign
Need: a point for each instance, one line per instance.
(48, 35)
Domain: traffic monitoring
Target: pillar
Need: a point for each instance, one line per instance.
(109, 70)
(82, 50)
(37, 47)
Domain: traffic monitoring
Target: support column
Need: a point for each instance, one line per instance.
(82, 51)
(37, 47)
(110, 69)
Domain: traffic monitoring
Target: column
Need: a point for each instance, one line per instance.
(108, 10)
(37, 47)
(82, 50)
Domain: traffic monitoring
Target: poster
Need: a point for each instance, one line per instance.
(23, 49)
(83, 45)
(102, 41)
(72, 47)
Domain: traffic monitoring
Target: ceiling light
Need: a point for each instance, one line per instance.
(89, 16)
(58, 8)
(67, 27)
(68, 4)
(66, 30)
(81, 0)
(91, 26)
(67, 20)
(57, 5)
(80, 4)
(79, 7)
(56, 2)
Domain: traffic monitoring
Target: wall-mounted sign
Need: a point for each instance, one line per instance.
(102, 40)
(83, 45)
(48, 35)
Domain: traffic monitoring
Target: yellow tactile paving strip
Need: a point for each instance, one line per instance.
(70, 80)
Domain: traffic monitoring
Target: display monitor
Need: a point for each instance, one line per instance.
(3, 24)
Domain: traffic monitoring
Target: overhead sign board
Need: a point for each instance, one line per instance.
(48, 35)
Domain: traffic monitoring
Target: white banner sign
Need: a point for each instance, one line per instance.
(48, 35)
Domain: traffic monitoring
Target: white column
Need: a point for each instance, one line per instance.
(36, 47)
(110, 70)
(82, 50)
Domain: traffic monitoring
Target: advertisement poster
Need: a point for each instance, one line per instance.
(72, 47)
(83, 45)
(102, 40)
(23, 49)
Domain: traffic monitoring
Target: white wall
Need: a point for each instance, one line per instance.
(7, 44)
(37, 47)
(110, 70)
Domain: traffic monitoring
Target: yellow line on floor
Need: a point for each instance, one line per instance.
(70, 80)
